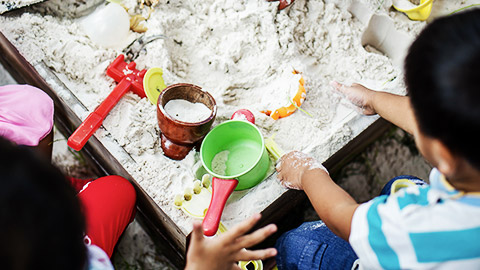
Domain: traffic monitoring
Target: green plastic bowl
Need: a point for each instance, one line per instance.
(247, 161)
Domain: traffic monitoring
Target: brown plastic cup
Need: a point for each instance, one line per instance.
(178, 138)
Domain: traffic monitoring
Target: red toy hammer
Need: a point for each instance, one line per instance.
(129, 78)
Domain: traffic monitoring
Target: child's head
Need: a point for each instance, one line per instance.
(41, 225)
(442, 72)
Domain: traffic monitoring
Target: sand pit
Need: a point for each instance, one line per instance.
(241, 52)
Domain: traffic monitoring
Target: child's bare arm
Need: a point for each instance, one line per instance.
(394, 108)
(334, 206)
(296, 170)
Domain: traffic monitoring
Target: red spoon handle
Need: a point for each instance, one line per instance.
(221, 190)
(81, 135)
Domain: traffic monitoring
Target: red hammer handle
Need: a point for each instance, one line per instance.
(81, 135)
(86, 129)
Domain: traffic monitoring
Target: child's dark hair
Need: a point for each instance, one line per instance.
(41, 224)
(442, 72)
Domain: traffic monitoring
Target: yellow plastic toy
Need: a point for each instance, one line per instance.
(416, 13)
(273, 148)
(153, 84)
(195, 201)
(257, 265)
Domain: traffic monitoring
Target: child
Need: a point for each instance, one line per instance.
(419, 227)
(42, 224)
(47, 222)
(26, 119)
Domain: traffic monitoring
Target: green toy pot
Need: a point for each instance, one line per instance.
(243, 163)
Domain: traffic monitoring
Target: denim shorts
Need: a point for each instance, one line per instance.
(314, 246)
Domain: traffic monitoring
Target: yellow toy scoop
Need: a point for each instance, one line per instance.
(414, 12)
(153, 84)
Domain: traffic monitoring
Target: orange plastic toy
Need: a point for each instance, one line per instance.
(296, 102)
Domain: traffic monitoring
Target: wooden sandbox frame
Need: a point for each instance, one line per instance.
(170, 239)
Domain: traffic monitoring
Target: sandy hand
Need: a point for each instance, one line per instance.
(224, 251)
(357, 94)
(293, 165)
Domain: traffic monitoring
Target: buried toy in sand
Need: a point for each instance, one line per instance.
(296, 101)
(282, 3)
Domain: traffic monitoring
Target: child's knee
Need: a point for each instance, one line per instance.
(291, 245)
(311, 246)
(119, 186)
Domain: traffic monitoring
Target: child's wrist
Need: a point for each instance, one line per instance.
(314, 174)
(371, 99)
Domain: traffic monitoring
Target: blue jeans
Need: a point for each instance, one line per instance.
(314, 246)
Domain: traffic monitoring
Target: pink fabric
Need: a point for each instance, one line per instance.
(26, 114)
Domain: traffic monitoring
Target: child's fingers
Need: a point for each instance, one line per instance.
(251, 255)
(197, 233)
(280, 175)
(284, 160)
(278, 167)
(289, 185)
(350, 92)
(281, 162)
(255, 237)
(338, 86)
(242, 228)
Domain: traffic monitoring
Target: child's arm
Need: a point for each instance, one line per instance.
(394, 108)
(224, 251)
(334, 206)
(296, 170)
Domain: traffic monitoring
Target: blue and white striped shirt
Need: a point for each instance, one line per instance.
(425, 227)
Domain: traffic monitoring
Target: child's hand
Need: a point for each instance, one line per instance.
(359, 95)
(224, 251)
(292, 166)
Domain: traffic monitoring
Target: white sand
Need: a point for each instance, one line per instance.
(242, 52)
(11, 5)
(219, 162)
(186, 111)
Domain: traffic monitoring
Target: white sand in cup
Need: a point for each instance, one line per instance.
(219, 162)
(186, 111)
